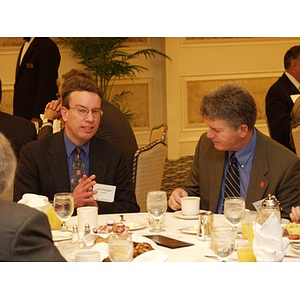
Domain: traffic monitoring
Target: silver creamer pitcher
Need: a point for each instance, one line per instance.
(269, 205)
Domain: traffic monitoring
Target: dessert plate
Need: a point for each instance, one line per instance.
(58, 235)
(179, 215)
(190, 229)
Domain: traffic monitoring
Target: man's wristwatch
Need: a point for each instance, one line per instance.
(46, 120)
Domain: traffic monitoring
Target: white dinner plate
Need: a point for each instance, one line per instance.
(103, 247)
(135, 226)
(59, 236)
(179, 215)
(190, 230)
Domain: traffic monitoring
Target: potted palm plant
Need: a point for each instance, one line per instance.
(107, 59)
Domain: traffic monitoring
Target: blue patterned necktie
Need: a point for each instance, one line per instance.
(232, 181)
(78, 169)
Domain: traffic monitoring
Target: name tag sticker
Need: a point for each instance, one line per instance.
(106, 193)
(295, 97)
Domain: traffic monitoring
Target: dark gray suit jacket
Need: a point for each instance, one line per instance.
(275, 170)
(25, 234)
(278, 109)
(18, 131)
(43, 170)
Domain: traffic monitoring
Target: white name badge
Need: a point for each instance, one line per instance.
(106, 193)
(295, 97)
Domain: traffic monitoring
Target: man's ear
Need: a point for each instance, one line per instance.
(64, 113)
(244, 130)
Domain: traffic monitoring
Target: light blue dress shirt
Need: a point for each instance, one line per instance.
(244, 159)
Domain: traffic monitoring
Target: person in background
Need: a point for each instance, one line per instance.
(265, 167)
(36, 75)
(280, 99)
(25, 232)
(46, 165)
(18, 130)
(114, 126)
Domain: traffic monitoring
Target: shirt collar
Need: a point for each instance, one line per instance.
(292, 79)
(245, 153)
(70, 146)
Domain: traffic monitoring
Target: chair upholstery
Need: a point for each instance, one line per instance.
(296, 138)
(159, 133)
(8, 194)
(148, 168)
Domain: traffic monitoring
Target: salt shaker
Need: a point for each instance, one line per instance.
(75, 234)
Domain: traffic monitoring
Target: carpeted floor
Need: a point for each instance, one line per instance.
(175, 173)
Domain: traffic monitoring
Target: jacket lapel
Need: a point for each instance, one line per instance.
(216, 163)
(258, 182)
(57, 161)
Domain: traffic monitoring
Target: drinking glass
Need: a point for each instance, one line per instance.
(157, 207)
(223, 241)
(234, 210)
(64, 207)
(120, 247)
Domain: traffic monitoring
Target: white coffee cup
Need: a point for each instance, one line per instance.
(87, 215)
(87, 256)
(190, 205)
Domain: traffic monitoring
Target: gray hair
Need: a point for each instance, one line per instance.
(231, 103)
(8, 164)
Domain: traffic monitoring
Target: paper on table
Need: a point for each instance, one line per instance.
(268, 243)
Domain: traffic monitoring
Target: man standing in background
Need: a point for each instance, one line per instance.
(36, 75)
(281, 97)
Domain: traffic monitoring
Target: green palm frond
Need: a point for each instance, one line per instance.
(106, 58)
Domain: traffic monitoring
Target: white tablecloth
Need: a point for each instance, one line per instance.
(173, 224)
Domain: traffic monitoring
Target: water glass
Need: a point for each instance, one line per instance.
(157, 207)
(234, 210)
(223, 241)
(120, 247)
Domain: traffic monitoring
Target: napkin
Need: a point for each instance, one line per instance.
(36, 201)
(268, 243)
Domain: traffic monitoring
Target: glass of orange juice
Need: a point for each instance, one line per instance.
(245, 252)
(247, 225)
(54, 221)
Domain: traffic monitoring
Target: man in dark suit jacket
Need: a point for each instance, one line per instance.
(279, 102)
(18, 130)
(46, 165)
(24, 231)
(265, 166)
(35, 83)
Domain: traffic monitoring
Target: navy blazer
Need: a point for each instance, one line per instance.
(43, 170)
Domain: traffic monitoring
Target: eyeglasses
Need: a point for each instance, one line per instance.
(83, 112)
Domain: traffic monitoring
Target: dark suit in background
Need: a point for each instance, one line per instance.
(25, 235)
(114, 127)
(35, 83)
(278, 109)
(17, 130)
(43, 170)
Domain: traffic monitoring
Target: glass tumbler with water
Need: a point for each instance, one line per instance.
(157, 207)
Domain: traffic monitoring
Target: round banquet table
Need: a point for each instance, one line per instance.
(200, 251)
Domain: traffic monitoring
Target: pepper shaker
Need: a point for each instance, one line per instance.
(75, 234)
